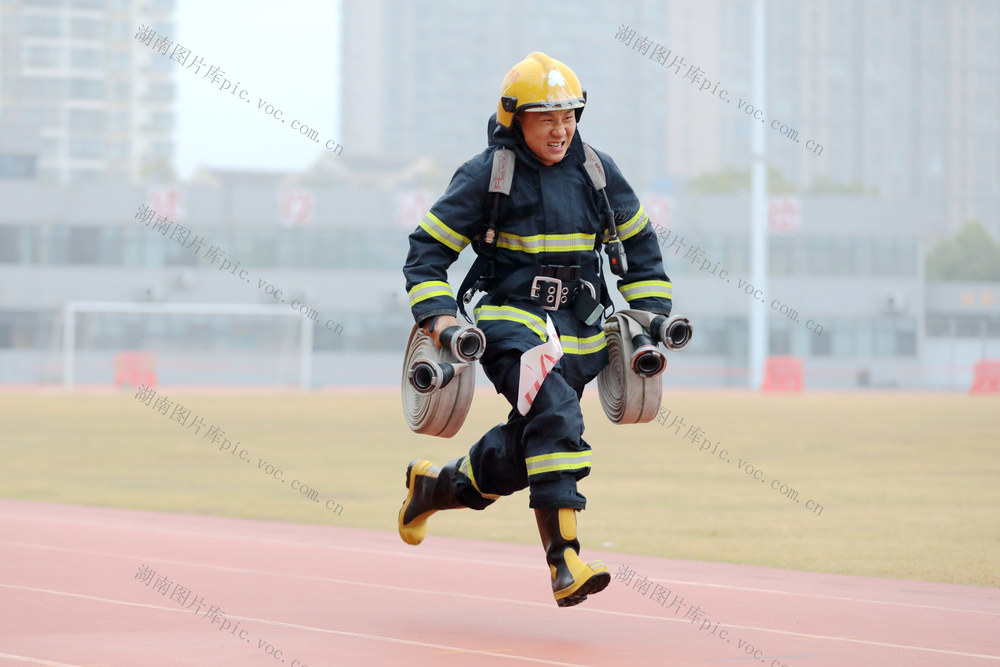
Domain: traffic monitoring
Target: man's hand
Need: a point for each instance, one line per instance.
(440, 323)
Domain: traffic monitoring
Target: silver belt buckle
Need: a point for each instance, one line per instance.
(547, 292)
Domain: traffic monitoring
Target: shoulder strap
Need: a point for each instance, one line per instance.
(594, 168)
(501, 179)
(616, 253)
(503, 171)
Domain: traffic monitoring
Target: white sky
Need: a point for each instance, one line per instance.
(286, 53)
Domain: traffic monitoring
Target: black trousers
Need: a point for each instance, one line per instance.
(544, 449)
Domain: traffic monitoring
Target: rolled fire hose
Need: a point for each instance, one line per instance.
(630, 387)
(438, 382)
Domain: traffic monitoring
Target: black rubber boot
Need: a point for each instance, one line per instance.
(430, 489)
(572, 579)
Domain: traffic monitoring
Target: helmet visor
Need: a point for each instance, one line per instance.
(538, 107)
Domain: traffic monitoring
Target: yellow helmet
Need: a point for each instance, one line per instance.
(539, 83)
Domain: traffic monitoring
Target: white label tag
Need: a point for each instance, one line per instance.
(535, 365)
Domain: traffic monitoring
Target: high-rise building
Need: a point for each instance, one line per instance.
(421, 79)
(895, 97)
(901, 95)
(103, 102)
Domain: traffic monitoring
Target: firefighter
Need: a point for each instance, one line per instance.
(550, 227)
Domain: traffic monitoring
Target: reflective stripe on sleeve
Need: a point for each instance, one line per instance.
(588, 345)
(647, 288)
(546, 242)
(635, 225)
(443, 233)
(555, 462)
(512, 314)
(629, 229)
(427, 290)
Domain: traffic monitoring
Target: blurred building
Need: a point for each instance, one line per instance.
(20, 145)
(893, 96)
(846, 292)
(102, 101)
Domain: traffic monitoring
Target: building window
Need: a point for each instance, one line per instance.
(842, 256)
(894, 257)
(10, 244)
(41, 115)
(822, 345)
(159, 63)
(21, 329)
(42, 56)
(86, 89)
(87, 28)
(780, 341)
(819, 259)
(87, 119)
(969, 326)
(906, 343)
(162, 121)
(34, 25)
(86, 58)
(161, 91)
(51, 147)
(84, 245)
(18, 166)
(781, 255)
(43, 87)
(938, 326)
(86, 148)
(85, 175)
(162, 149)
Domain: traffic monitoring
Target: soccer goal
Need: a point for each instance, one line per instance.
(185, 344)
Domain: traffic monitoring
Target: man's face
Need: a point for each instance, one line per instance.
(548, 133)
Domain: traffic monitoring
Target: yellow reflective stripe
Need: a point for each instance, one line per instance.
(635, 225)
(512, 314)
(443, 233)
(587, 345)
(426, 290)
(466, 469)
(556, 455)
(557, 461)
(629, 229)
(546, 242)
(647, 288)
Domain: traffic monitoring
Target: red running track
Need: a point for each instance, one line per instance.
(299, 595)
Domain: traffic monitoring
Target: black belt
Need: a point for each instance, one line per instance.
(569, 274)
(553, 293)
(551, 287)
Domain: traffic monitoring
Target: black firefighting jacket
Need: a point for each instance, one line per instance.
(552, 216)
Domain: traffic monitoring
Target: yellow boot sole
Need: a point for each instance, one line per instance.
(592, 577)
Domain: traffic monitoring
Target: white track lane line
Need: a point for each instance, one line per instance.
(36, 661)
(703, 584)
(484, 598)
(295, 626)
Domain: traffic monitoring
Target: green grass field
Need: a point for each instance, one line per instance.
(909, 484)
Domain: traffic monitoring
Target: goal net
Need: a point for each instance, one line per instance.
(186, 344)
